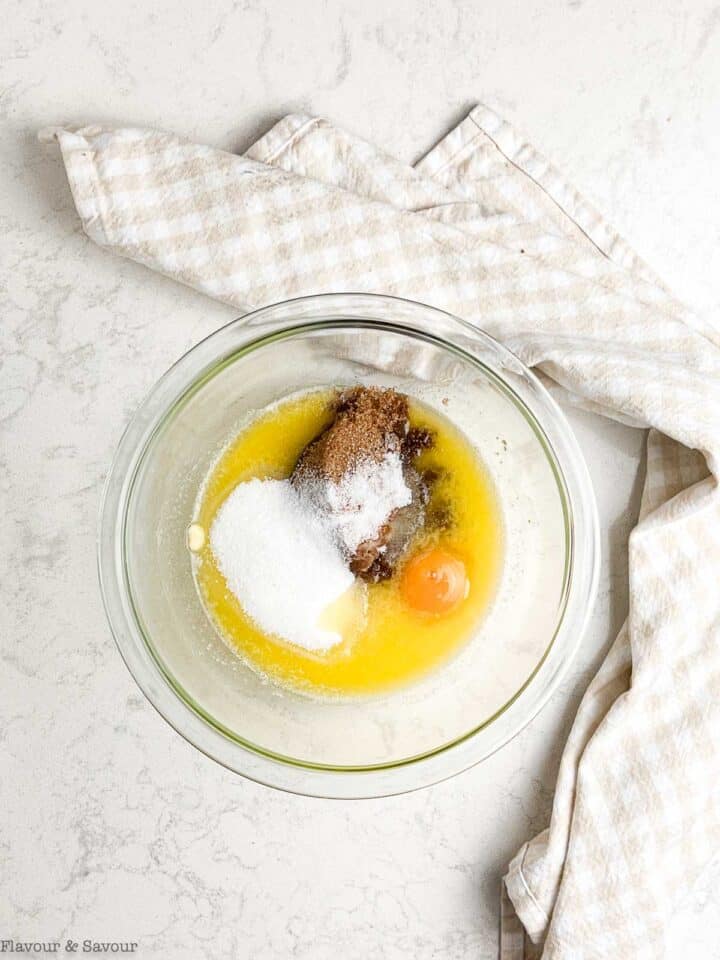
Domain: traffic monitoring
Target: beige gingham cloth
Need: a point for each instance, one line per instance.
(485, 228)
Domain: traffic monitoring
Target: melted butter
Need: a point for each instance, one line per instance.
(386, 644)
(346, 616)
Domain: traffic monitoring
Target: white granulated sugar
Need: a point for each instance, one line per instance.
(360, 503)
(280, 561)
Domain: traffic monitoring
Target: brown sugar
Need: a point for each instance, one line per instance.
(369, 423)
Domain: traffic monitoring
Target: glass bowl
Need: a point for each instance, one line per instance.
(406, 738)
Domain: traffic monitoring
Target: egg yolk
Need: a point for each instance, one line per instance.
(434, 581)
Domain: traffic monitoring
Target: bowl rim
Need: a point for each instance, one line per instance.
(285, 320)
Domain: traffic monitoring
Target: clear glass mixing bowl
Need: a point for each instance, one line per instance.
(410, 737)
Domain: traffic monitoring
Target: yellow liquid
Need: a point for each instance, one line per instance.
(396, 644)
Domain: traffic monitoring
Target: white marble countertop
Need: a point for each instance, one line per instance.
(112, 827)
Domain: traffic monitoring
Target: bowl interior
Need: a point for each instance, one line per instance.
(486, 394)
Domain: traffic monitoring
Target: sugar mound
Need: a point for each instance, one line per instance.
(357, 506)
(280, 561)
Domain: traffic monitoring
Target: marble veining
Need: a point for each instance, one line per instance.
(112, 827)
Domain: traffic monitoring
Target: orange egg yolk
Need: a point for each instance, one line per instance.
(434, 581)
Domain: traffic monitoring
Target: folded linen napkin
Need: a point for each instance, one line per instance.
(485, 228)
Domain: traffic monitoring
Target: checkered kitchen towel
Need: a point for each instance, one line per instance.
(485, 228)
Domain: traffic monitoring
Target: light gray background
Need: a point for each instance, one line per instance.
(110, 825)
